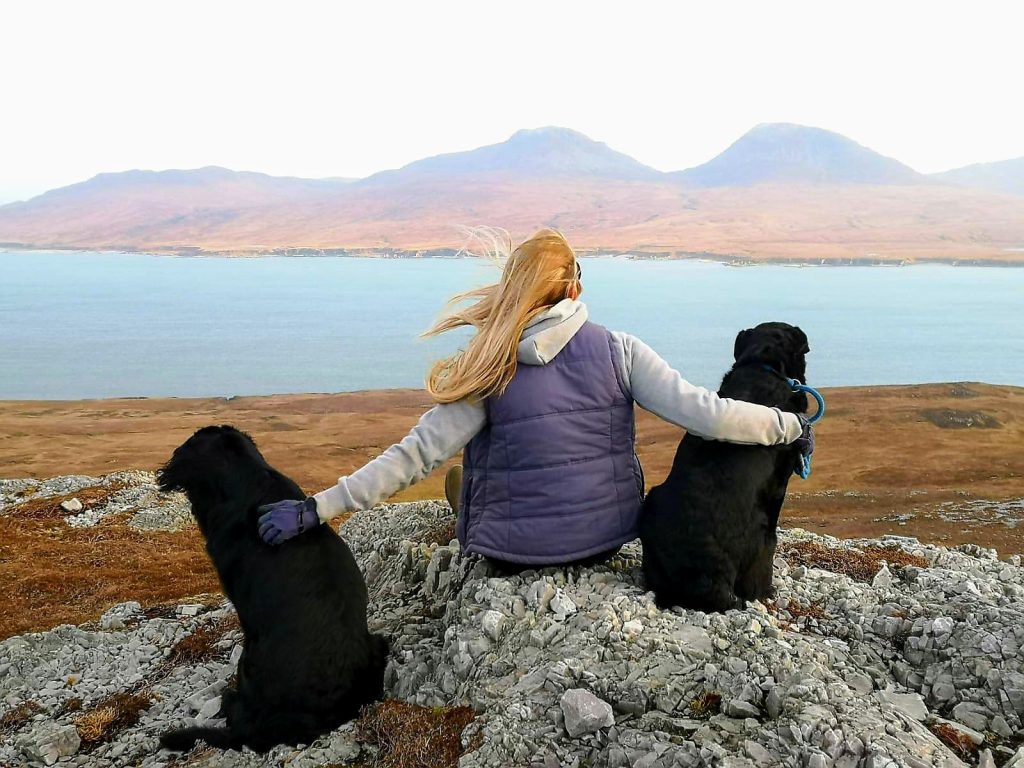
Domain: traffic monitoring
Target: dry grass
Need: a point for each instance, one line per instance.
(955, 740)
(796, 612)
(441, 534)
(14, 718)
(858, 564)
(169, 609)
(107, 718)
(201, 645)
(411, 736)
(706, 705)
(69, 706)
(55, 574)
(49, 507)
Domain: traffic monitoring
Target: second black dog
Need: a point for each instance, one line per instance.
(709, 531)
(308, 661)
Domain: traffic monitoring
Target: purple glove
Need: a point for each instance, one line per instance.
(282, 520)
(805, 444)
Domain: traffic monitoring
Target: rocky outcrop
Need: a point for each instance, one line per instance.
(916, 661)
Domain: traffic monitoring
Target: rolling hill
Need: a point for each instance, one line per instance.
(1004, 176)
(779, 192)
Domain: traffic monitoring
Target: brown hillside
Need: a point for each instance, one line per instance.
(939, 462)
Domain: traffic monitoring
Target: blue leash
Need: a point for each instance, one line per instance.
(805, 461)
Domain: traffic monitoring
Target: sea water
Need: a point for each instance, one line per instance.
(86, 325)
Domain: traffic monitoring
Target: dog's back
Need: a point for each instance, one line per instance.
(308, 662)
(708, 531)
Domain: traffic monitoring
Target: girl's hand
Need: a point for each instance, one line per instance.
(806, 440)
(282, 520)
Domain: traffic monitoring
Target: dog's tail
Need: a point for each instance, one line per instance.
(183, 739)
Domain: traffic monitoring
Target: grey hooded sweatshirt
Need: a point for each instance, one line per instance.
(445, 429)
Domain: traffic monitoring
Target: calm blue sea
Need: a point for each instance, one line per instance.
(86, 325)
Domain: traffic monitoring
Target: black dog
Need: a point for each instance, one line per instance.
(708, 531)
(308, 661)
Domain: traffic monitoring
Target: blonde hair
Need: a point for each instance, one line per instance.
(536, 275)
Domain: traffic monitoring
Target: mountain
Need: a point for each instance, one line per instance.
(780, 192)
(1004, 176)
(783, 152)
(532, 153)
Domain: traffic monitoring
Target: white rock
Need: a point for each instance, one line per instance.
(883, 579)
(633, 627)
(584, 712)
(492, 623)
(561, 603)
(209, 709)
(71, 505)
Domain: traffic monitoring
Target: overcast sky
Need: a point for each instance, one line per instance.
(346, 89)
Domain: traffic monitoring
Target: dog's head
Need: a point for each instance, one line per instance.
(215, 464)
(779, 345)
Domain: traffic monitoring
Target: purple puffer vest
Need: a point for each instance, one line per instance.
(552, 477)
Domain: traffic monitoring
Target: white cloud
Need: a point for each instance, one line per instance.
(340, 89)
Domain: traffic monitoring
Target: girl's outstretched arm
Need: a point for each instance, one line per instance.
(441, 432)
(659, 388)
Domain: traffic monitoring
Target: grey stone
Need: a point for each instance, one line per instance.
(50, 743)
(972, 715)
(910, 704)
(584, 712)
(740, 708)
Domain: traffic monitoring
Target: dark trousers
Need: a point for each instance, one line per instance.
(511, 569)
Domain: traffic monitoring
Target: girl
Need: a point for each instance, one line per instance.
(542, 401)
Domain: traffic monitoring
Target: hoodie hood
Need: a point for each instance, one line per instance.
(548, 333)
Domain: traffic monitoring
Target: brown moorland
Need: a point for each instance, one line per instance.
(942, 462)
(770, 222)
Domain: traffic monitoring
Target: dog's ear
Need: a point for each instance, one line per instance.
(742, 342)
(761, 344)
(799, 341)
(796, 362)
(169, 476)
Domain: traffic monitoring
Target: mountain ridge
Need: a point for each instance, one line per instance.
(780, 190)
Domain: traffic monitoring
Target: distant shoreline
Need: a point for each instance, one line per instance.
(730, 260)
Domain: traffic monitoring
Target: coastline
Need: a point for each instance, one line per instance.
(726, 259)
(937, 461)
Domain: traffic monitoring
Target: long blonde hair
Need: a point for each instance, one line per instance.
(537, 274)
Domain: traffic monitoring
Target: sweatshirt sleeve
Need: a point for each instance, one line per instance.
(441, 433)
(658, 388)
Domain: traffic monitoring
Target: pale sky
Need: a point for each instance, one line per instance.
(347, 89)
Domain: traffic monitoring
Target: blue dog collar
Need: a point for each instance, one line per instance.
(805, 461)
(796, 386)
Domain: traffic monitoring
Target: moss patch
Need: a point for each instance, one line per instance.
(858, 564)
